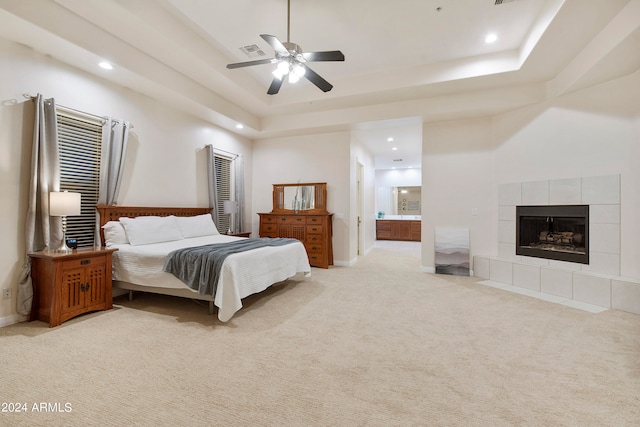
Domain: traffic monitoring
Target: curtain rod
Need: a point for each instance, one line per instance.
(224, 151)
(82, 113)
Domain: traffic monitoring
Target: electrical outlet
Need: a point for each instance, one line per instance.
(6, 293)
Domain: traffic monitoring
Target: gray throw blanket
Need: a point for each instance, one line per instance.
(199, 266)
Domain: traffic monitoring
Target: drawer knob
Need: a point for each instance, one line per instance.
(85, 262)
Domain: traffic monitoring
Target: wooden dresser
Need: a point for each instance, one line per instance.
(299, 211)
(314, 230)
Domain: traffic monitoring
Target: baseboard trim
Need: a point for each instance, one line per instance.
(12, 320)
(345, 263)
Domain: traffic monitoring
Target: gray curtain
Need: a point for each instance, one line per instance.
(239, 166)
(115, 138)
(238, 192)
(42, 232)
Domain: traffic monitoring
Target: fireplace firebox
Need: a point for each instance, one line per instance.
(559, 232)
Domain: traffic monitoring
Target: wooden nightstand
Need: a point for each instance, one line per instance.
(66, 285)
(245, 234)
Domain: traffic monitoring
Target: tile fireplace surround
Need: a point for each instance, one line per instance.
(598, 283)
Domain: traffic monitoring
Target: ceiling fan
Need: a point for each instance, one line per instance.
(292, 61)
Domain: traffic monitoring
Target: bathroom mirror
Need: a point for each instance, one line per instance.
(300, 198)
(400, 200)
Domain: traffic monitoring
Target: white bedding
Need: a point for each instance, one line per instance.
(242, 274)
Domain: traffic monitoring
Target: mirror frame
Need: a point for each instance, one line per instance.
(319, 193)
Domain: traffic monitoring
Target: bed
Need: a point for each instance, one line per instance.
(144, 236)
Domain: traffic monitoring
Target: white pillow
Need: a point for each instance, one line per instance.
(145, 230)
(114, 234)
(196, 226)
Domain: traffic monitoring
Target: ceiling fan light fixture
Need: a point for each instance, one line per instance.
(298, 70)
(283, 68)
(293, 78)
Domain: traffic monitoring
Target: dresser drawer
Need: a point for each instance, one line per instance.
(315, 219)
(314, 239)
(267, 229)
(316, 248)
(268, 219)
(289, 219)
(315, 229)
(318, 260)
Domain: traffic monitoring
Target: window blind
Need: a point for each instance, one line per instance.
(224, 184)
(80, 147)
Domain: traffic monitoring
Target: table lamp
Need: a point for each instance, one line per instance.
(62, 204)
(231, 208)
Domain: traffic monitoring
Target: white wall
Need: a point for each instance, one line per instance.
(457, 180)
(166, 165)
(308, 158)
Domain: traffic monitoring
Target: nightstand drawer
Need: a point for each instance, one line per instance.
(83, 262)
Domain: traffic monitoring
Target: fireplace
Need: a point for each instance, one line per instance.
(553, 232)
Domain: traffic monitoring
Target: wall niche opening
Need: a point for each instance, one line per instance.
(558, 232)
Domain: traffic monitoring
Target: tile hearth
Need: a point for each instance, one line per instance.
(591, 308)
(597, 284)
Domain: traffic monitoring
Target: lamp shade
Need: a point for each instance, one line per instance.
(63, 203)
(230, 207)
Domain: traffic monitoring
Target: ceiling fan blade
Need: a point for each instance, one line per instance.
(275, 44)
(330, 55)
(250, 63)
(276, 84)
(315, 78)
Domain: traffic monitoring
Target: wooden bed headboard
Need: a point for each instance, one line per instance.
(114, 213)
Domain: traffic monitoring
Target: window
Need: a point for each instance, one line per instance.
(80, 146)
(225, 186)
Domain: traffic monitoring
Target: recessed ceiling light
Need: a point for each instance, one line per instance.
(394, 148)
(389, 139)
(106, 65)
(239, 126)
(490, 38)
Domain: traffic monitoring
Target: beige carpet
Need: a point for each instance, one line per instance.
(376, 344)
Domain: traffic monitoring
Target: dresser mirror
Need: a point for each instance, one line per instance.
(300, 198)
